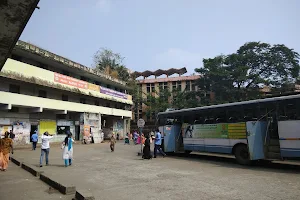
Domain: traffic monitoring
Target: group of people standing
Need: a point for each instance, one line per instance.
(6, 146)
(157, 145)
(146, 140)
(67, 147)
(135, 137)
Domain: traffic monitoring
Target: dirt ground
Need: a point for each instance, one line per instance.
(124, 175)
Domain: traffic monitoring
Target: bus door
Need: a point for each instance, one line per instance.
(171, 133)
(256, 133)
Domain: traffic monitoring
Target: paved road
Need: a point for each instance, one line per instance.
(123, 175)
(17, 184)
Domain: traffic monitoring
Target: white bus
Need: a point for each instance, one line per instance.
(251, 130)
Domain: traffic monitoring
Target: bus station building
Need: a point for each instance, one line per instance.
(46, 92)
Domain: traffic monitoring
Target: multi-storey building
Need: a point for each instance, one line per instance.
(149, 85)
(43, 91)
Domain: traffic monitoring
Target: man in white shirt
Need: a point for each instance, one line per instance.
(45, 149)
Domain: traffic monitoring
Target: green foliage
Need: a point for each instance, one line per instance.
(160, 100)
(239, 76)
(106, 61)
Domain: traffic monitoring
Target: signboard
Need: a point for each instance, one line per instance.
(70, 81)
(67, 80)
(64, 123)
(86, 130)
(141, 123)
(93, 87)
(224, 130)
(49, 126)
(113, 93)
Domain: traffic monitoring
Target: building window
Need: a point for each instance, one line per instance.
(42, 93)
(97, 103)
(14, 88)
(179, 85)
(148, 88)
(82, 100)
(152, 87)
(188, 86)
(173, 85)
(166, 85)
(64, 97)
(193, 85)
(63, 130)
(161, 86)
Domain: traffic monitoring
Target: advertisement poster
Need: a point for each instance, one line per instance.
(3, 129)
(67, 80)
(49, 126)
(113, 93)
(237, 131)
(93, 87)
(86, 130)
(224, 130)
(118, 127)
(22, 133)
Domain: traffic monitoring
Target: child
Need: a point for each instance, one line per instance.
(127, 139)
(112, 143)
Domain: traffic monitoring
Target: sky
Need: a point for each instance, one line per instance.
(161, 34)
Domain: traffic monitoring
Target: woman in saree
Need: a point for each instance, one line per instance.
(6, 145)
(68, 150)
(146, 150)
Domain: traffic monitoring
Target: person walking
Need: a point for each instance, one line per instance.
(135, 137)
(6, 146)
(146, 149)
(157, 144)
(127, 141)
(68, 150)
(112, 143)
(12, 135)
(45, 148)
(34, 139)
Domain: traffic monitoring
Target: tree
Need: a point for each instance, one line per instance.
(240, 75)
(159, 101)
(106, 61)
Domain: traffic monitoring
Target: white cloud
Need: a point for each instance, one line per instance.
(177, 58)
(104, 5)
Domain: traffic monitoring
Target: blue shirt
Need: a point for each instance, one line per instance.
(34, 137)
(158, 138)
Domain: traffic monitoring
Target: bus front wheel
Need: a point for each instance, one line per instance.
(242, 155)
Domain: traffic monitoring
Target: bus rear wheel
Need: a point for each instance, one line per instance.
(242, 155)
